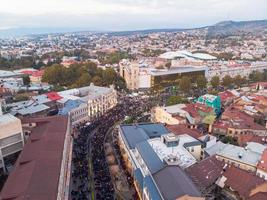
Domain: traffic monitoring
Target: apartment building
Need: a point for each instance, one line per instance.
(43, 169)
(11, 140)
(156, 159)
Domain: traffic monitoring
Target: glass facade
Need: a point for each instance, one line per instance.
(162, 81)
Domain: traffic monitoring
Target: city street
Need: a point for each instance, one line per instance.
(90, 173)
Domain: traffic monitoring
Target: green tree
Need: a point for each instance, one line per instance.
(256, 76)
(84, 80)
(109, 75)
(239, 80)
(215, 81)
(97, 80)
(201, 82)
(172, 100)
(26, 80)
(227, 81)
(185, 85)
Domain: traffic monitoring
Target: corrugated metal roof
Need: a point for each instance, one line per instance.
(152, 189)
(174, 183)
(133, 134)
(153, 162)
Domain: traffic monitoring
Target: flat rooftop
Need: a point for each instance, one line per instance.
(240, 154)
(185, 158)
(7, 118)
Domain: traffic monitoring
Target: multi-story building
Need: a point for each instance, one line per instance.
(43, 169)
(140, 76)
(211, 101)
(234, 70)
(11, 140)
(156, 159)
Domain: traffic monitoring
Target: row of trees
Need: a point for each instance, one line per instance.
(79, 75)
(185, 84)
(112, 58)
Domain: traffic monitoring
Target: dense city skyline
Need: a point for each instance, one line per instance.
(106, 15)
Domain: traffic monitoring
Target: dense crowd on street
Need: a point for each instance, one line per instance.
(97, 130)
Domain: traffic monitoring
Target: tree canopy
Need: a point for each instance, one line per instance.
(201, 82)
(172, 100)
(185, 84)
(79, 75)
(227, 81)
(215, 81)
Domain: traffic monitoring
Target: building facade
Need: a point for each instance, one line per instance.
(11, 140)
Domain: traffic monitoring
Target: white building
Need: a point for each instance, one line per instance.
(11, 140)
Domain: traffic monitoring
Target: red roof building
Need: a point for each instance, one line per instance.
(41, 171)
(242, 182)
(206, 172)
(181, 129)
(54, 96)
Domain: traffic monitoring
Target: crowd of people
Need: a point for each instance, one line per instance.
(97, 130)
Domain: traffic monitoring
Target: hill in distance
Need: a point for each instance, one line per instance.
(221, 28)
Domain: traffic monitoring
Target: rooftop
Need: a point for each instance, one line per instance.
(234, 176)
(206, 172)
(37, 170)
(174, 183)
(7, 118)
(239, 154)
(133, 134)
(185, 159)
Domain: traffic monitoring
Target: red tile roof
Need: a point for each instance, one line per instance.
(226, 95)
(240, 120)
(241, 181)
(263, 162)
(259, 196)
(181, 129)
(245, 138)
(206, 172)
(54, 96)
(37, 170)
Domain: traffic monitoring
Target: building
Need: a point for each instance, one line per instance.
(243, 158)
(205, 173)
(81, 104)
(193, 113)
(141, 76)
(170, 115)
(155, 158)
(11, 140)
(241, 184)
(211, 101)
(262, 165)
(43, 168)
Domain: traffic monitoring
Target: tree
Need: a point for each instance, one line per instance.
(227, 81)
(26, 80)
(84, 80)
(185, 84)
(239, 80)
(97, 80)
(172, 100)
(215, 81)
(201, 82)
(109, 76)
(256, 76)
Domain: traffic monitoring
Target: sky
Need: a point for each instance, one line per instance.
(114, 15)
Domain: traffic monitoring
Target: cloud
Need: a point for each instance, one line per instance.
(127, 14)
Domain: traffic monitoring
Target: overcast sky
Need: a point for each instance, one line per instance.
(126, 14)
